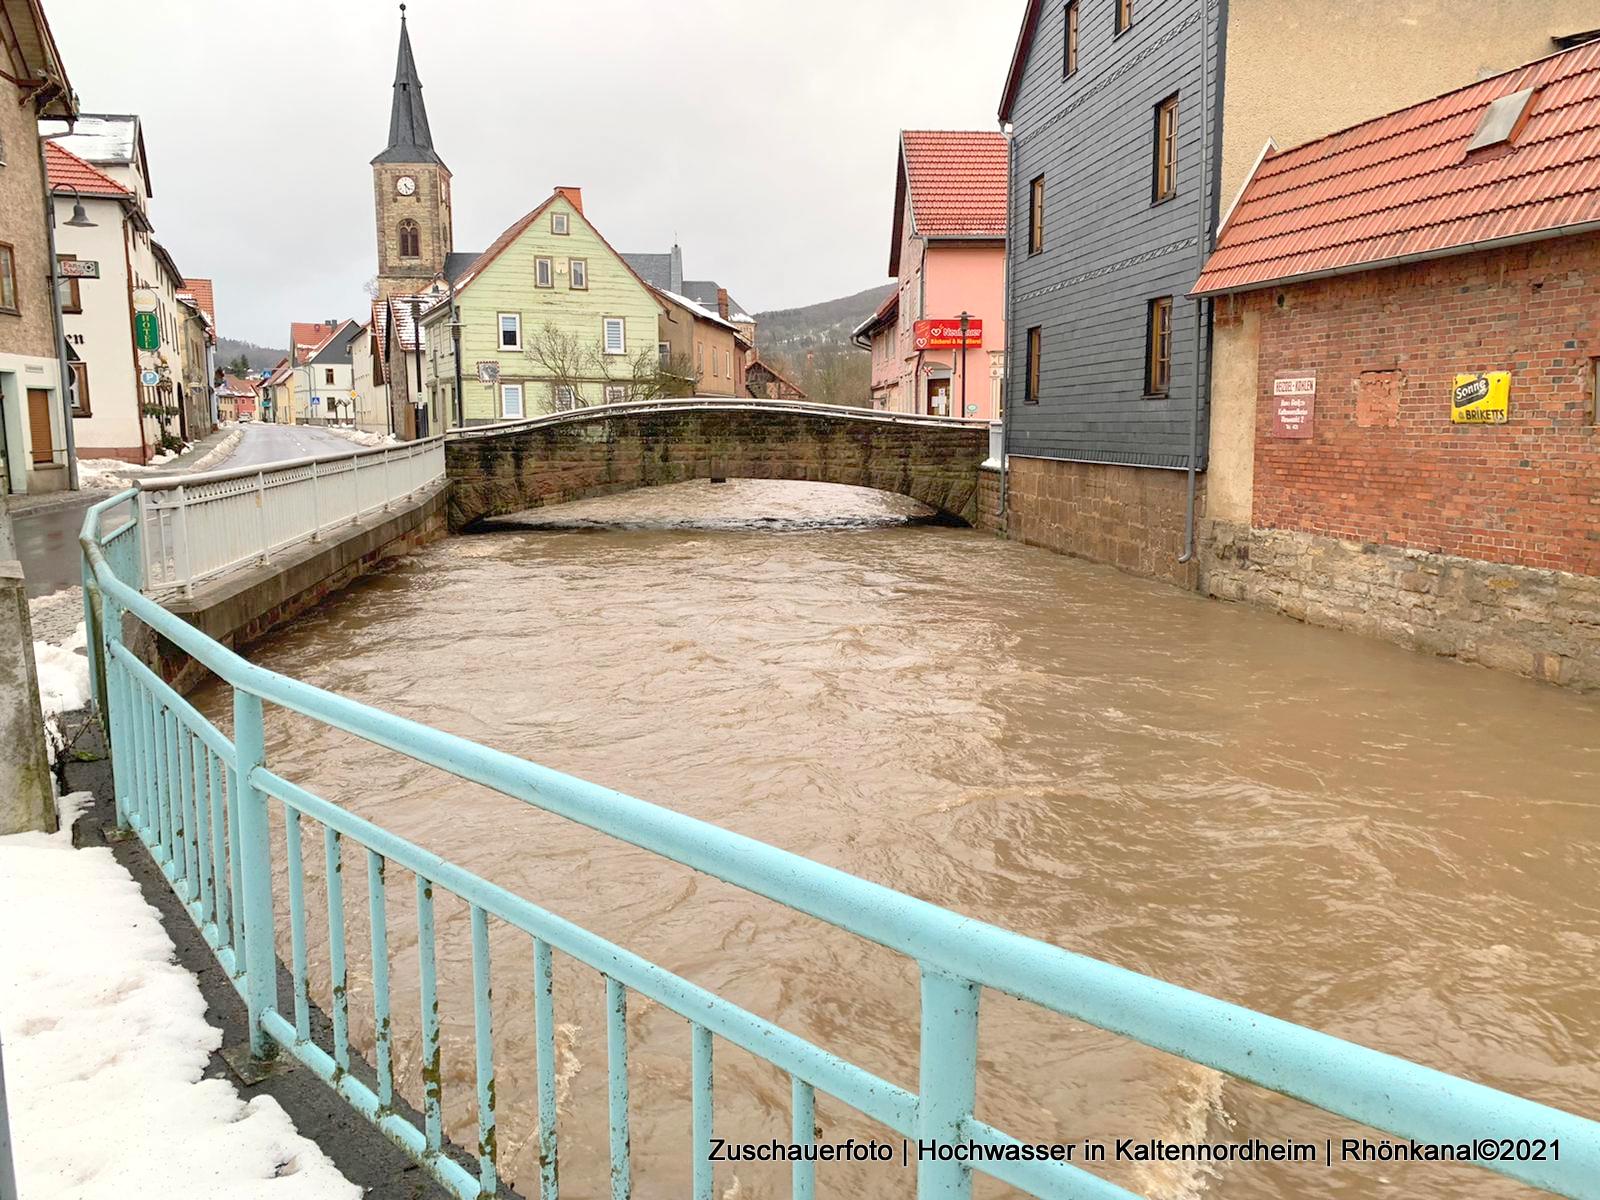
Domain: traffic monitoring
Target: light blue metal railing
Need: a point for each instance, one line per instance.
(200, 802)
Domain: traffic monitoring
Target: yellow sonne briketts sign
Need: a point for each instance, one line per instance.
(1482, 399)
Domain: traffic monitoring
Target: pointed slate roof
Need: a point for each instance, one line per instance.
(410, 140)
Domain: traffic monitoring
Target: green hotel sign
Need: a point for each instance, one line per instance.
(146, 331)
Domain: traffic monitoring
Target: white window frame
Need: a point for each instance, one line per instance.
(621, 326)
(560, 224)
(500, 331)
(616, 393)
(564, 393)
(505, 408)
(576, 267)
(664, 354)
(544, 272)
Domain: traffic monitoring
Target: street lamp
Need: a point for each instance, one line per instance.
(966, 323)
(69, 382)
(457, 405)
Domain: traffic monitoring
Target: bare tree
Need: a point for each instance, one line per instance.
(656, 380)
(565, 359)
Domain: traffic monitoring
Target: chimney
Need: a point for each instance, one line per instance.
(676, 270)
(722, 303)
(574, 197)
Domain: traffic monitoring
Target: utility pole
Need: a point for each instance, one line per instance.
(966, 323)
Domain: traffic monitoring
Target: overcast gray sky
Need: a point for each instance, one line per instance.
(761, 134)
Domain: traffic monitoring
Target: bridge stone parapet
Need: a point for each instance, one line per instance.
(501, 469)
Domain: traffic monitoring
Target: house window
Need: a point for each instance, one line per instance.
(327, 375)
(1030, 382)
(615, 393)
(410, 239)
(699, 358)
(8, 278)
(1069, 64)
(80, 389)
(1036, 216)
(1165, 182)
(71, 299)
(510, 400)
(1158, 347)
(664, 352)
(558, 223)
(615, 336)
(510, 331)
(564, 395)
(544, 272)
(1124, 15)
(578, 274)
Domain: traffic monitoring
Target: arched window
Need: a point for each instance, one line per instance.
(410, 239)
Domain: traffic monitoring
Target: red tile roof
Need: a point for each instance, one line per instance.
(1403, 187)
(307, 337)
(201, 290)
(69, 172)
(957, 183)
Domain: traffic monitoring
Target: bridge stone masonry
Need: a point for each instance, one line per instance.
(496, 470)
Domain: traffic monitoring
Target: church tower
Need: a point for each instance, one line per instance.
(411, 189)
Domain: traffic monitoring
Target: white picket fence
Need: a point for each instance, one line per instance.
(203, 525)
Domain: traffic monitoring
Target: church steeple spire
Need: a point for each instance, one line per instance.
(410, 140)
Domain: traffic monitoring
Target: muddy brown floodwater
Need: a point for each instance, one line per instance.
(1397, 850)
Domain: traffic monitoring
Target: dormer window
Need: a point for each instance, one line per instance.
(1502, 120)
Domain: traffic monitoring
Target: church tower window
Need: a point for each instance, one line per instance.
(410, 239)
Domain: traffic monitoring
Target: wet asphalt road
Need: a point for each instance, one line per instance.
(276, 443)
(47, 545)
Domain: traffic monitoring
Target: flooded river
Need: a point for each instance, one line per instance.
(1394, 849)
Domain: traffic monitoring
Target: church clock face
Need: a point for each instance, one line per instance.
(405, 185)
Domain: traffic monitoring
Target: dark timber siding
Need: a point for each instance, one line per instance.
(1107, 249)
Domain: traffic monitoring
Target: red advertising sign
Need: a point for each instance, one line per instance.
(1294, 400)
(946, 335)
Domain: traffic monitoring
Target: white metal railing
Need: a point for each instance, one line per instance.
(202, 525)
(997, 445)
(722, 403)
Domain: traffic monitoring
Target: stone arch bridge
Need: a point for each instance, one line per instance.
(500, 469)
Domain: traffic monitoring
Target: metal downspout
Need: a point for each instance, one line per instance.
(1010, 133)
(1199, 302)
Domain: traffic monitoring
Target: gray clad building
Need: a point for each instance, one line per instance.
(1135, 123)
(1113, 106)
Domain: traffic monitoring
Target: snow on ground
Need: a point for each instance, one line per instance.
(361, 437)
(106, 1041)
(63, 682)
(55, 616)
(112, 474)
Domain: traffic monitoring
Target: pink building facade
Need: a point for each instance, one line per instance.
(948, 256)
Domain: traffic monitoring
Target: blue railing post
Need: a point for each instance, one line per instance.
(947, 1082)
(254, 851)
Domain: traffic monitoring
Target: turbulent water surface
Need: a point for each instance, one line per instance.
(1397, 850)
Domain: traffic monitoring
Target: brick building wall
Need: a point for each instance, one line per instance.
(1385, 464)
(1476, 542)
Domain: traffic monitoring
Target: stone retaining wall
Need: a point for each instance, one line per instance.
(1538, 622)
(243, 606)
(1130, 517)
